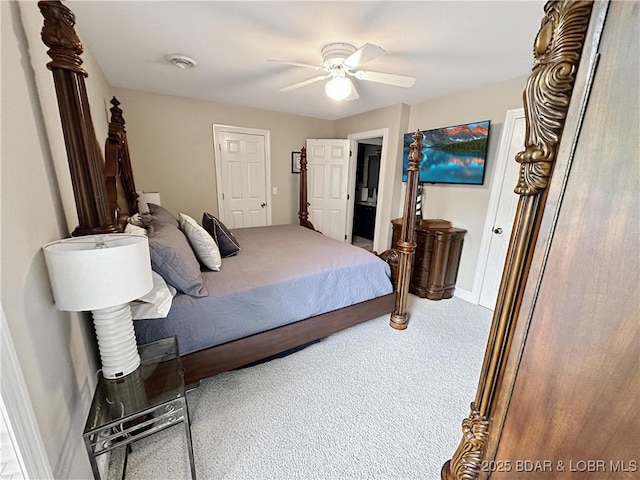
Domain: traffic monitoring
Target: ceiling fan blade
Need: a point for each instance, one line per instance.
(304, 83)
(364, 54)
(354, 93)
(388, 78)
(296, 64)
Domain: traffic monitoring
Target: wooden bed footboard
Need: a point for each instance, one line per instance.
(244, 351)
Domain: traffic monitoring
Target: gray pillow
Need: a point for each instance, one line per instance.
(160, 214)
(227, 243)
(173, 258)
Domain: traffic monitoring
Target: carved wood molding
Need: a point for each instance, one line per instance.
(59, 35)
(547, 93)
(85, 159)
(406, 245)
(466, 461)
(391, 256)
(122, 197)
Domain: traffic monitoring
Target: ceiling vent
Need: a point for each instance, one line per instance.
(181, 61)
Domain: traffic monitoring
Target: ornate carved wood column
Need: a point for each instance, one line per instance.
(303, 213)
(85, 159)
(406, 245)
(547, 93)
(118, 166)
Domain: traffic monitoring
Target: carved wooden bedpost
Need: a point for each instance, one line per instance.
(85, 159)
(303, 213)
(118, 166)
(406, 245)
(557, 51)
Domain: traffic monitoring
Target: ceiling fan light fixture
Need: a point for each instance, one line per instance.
(340, 61)
(338, 88)
(181, 61)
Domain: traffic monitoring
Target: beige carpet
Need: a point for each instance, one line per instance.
(366, 403)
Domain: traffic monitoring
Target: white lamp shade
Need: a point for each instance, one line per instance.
(338, 88)
(84, 277)
(145, 198)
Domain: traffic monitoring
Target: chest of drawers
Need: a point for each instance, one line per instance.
(436, 258)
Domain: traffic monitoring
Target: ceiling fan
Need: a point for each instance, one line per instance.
(341, 61)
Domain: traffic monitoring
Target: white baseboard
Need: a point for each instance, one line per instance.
(465, 295)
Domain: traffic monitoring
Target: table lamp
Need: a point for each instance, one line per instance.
(103, 273)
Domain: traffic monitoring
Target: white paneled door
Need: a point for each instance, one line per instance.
(503, 205)
(243, 178)
(328, 174)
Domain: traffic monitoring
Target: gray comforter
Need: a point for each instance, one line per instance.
(282, 274)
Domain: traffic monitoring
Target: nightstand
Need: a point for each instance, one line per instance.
(435, 263)
(144, 402)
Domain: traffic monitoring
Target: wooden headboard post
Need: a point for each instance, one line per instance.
(303, 213)
(406, 244)
(121, 190)
(85, 159)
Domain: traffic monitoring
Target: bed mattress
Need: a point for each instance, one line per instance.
(282, 274)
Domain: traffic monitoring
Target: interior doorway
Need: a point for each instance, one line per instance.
(379, 138)
(367, 156)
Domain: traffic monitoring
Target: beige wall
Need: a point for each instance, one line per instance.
(171, 146)
(171, 143)
(56, 350)
(466, 206)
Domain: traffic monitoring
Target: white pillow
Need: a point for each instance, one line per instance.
(203, 244)
(133, 229)
(156, 303)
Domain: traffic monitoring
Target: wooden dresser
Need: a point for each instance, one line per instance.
(436, 260)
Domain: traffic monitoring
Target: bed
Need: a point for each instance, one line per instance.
(281, 275)
(291, 299)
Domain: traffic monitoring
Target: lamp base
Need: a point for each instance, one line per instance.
(116, 341)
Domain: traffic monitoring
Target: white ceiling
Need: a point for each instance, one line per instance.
(448, 46)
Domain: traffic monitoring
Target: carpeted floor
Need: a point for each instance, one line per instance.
(368, 402)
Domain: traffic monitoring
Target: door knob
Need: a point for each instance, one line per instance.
(263, 204)
(497, 230)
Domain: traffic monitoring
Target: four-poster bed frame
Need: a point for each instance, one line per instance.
(105, 196)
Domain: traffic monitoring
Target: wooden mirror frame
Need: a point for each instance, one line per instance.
(557, 50)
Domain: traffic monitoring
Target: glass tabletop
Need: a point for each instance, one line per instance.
(158, 380)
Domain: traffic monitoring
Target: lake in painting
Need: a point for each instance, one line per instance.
(455, 154)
